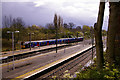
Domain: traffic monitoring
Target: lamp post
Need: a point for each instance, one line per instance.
(13, 44)
(30, 39)
(83, 38)
(56, 37)
(19, 42)
(64, 42)
(56, 40)
(77, 37)
(92, 39)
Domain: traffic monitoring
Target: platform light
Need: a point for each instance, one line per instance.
(30, 39)
(8, 32)
(16, 31)
(13, 44)
(92, 40)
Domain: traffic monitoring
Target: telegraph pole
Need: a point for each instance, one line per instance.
(64, 42)
(13, 48)
(92, 41)
(56, 39)
(30, 40)
(30, 34)
(56, 26)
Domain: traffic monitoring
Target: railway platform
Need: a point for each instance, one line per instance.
(4, 55)
(39, 63)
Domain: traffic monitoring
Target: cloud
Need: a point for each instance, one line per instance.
(39, 3)
(71, 7)
(16, 0)
(80, 12)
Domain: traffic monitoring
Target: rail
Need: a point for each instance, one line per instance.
(59, 68)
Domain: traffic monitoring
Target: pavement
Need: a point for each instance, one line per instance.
(25, 66)
(22, 51)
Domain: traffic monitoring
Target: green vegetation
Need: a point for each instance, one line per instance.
(65, 30)
(107, 66)
(92, 73)
(103, 74)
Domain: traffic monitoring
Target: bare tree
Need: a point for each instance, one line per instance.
(18, 24)
(66, 25)
(56, 26)
(71, 25)
(98, 36)
(7, 21)
(79, 28)
(60, 24)
(113, 32)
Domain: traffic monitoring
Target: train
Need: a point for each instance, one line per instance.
(50, 42)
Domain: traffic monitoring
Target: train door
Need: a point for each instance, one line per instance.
(37, 43)
(68, 41)
(47, 42)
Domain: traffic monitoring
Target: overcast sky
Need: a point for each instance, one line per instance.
(41, 12)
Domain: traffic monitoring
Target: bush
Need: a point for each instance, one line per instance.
(104, 74)
(6, 45)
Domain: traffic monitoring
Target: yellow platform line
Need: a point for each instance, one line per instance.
(31, 72)
(6, 64)
(18, 61)
(18, 53)
(26, 51)
(48, 65)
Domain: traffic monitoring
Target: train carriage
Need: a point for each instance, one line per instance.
(43, 43)
(50, 42)
(38, 44)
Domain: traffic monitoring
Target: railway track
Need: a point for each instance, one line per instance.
(30, 54)
(72, 65)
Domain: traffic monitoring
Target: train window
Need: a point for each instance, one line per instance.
(42, 43)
